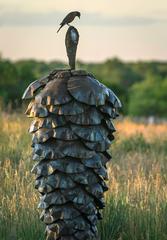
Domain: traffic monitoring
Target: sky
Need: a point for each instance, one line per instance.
(129, 29)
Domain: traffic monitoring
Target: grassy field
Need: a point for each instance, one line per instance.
(136, 206)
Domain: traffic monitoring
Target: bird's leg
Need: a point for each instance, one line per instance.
(68, 24)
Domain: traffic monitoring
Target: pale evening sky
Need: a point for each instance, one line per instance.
(129, 29)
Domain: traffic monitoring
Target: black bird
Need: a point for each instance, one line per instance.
(69, 18)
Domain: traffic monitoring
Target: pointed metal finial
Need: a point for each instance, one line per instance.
(71, 42)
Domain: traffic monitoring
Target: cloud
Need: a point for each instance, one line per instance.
(17, 18)
(97, 19)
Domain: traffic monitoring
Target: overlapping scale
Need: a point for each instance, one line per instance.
(72, 108)
(60, 149)
(90, 133)
(50, 122)
(72, 132)
(32, 89)
(51, 182)
(91, 116)
(100, 146)
(34, 86)
(55, 93)
(36, 110)
(109, 110)
(114, 99)
(87, 90)
(62, 133)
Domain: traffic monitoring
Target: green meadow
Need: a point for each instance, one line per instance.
(136, 203)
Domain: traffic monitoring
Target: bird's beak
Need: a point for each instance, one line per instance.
(79, 17)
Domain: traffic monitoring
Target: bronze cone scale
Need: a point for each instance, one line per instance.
(71, 133)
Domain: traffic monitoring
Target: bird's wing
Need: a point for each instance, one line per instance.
(67, 19)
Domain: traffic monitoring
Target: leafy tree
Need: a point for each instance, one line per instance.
(139, 85)
(8, 81)
(149, 97)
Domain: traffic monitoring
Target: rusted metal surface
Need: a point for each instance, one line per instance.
(72, 132)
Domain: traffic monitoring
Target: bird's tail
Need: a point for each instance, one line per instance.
(59, 28)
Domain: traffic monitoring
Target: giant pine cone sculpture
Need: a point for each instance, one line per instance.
(72, 131)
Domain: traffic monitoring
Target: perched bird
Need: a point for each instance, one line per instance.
(69, 18)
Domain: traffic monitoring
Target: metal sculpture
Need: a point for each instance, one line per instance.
(72, 131)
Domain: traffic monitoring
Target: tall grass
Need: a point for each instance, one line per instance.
(136, 203)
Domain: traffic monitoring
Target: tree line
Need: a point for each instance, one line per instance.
(141, 86)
